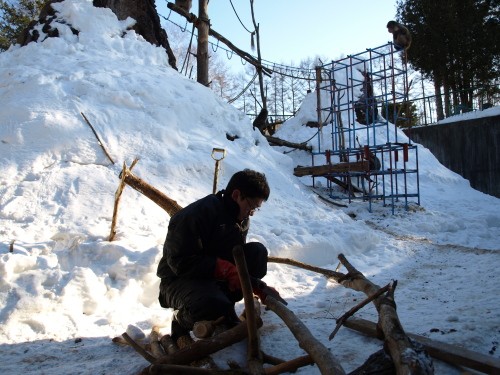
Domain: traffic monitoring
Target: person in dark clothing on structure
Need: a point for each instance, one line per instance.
(199, 279)
(401, 36)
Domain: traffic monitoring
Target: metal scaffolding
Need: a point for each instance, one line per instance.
(357, 98)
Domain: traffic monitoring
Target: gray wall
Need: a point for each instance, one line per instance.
(470, 148)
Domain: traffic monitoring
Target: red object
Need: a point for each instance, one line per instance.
(261, 293)
(225, 270)
(405, 152)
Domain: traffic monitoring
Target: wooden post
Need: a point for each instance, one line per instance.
(190, 17)
(254, 357)
(202, 52)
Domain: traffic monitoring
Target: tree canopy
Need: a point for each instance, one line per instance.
(15, 16)
(455, 44)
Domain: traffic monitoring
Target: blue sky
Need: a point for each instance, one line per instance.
(292, 30)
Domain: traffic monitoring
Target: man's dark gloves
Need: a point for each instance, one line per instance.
(227, 271)
(262, 290)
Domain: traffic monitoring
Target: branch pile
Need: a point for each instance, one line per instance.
(401, 353)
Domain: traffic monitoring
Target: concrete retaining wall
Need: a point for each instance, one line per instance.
(470, 148)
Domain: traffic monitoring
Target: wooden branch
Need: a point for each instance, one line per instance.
(139, 349)
(168, 204)
(266, 358)
(336, 276)
(202, 348)
(98, 140)
(205, 328)
(399, 346)
(439, 350)
(352, 311)
(282, 142)
(403, 354)
(289, 366)
(118, 195)
(254, 357)
(321, 170)
(325, 360)
(191, 18)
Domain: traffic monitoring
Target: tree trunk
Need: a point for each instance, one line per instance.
(148, 22)
(202, 51)
(439, 98)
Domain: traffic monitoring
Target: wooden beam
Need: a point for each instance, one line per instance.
(321, 170)
(439, 350)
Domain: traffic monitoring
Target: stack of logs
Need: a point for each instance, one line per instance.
(402, 353)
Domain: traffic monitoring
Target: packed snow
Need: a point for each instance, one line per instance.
(66, 290)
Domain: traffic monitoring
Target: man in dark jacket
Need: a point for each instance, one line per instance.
(198, 275)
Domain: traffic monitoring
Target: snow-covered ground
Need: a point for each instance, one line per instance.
(66, 291)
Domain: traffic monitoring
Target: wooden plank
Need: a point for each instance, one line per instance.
(320, 170)
(439, 350)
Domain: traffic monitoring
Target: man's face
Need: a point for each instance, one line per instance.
(247, 205)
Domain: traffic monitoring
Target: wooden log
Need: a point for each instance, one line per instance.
(321, 170)
(156, 348)
(351, 312)
(139, 349)
(271, 359)
(168, 204)
(437, 349)
(205, 328)
(282, 142)
(325, 360)
(289, 366)
(254, 356)
(203, 348)
(336, 276)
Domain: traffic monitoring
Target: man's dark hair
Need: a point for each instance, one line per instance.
(252, 184)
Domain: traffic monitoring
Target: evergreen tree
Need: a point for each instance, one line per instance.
(455, 44)
(15, 16)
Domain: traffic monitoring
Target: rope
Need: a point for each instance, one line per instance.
(244, 89)
(188, 52)
(237, 16)
(294, 72)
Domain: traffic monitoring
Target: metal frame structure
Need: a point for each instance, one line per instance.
(350, 92)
